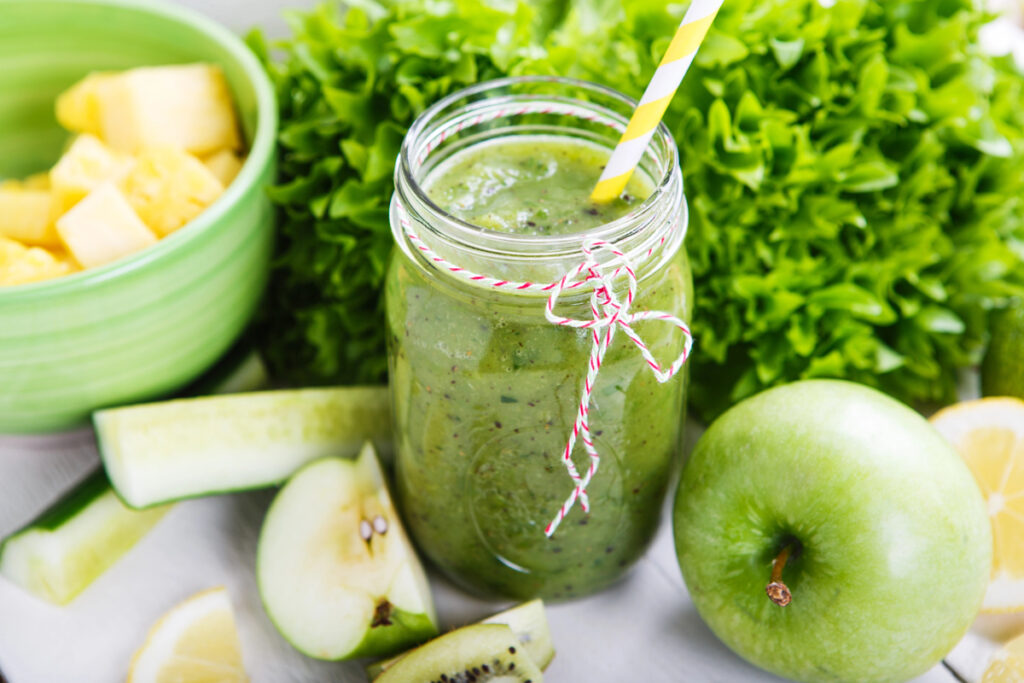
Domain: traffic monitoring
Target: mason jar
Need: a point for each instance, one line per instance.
(487, 385)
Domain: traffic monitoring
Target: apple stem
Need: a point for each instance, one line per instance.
(778, 592)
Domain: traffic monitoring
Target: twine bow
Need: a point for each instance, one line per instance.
(609, 314)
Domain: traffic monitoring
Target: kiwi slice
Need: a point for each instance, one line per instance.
(530, 624)
(527, 621)
(472, 654)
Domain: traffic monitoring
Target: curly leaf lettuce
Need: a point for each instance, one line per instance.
(855, 176)
(349, 82)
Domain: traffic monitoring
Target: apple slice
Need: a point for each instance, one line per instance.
(336, 571)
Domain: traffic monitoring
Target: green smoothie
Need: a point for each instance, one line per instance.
(530, 185)
(485, 390)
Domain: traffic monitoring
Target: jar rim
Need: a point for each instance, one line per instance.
(467, 234)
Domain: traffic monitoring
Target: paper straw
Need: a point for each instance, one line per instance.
(663, 86)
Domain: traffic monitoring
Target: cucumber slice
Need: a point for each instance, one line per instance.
(527, 621)
(159, 452)
(74, 541)
(67, 547)
(478, 653)
(336, 572)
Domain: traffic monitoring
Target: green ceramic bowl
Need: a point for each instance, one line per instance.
(146, 325)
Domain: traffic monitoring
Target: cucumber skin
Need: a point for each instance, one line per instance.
(66, 507)
(63, 509)
(382, 445)
(88, 492)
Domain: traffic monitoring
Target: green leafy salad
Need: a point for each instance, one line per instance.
(855, 176)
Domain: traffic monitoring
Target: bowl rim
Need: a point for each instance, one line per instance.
(261, 153)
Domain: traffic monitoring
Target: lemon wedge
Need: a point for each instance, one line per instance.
(989, 435)
(196, 642)
(1008, 664)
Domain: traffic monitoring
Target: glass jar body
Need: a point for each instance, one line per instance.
(485, 388)
(484, 396)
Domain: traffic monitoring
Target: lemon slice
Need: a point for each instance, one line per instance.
(1008, 664)
(989, 434)
(196, 642)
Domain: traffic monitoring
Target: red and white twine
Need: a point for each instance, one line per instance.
(609, 312)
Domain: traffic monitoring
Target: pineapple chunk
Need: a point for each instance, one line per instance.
(36, 181)
(185, 106)
(225, 164)
(103, 227)
(20, 264)
(87, 164)
(78, 108)
(27, 215)
(168, 188)
(10, 251)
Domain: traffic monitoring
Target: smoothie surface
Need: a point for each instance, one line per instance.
(531, 185)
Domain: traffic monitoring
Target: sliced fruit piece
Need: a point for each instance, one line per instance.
(478, 653)
(195, 642)
(158, 452)
(1008, 664)
(989, 434)
(10, 250)
(527, 621)
(530, 624)
(186, 106)
(36, 181)
(86, 165)
(168, 187)
(225, 164)
(20, 264)
(78, 107)
(336, 571)
(102, 228)
(61, 552)
(27, 215)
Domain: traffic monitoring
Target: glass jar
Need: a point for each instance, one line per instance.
(485, 389)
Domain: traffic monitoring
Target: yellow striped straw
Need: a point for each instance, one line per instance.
(663, 85)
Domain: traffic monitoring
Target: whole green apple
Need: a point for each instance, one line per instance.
(827, 533)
